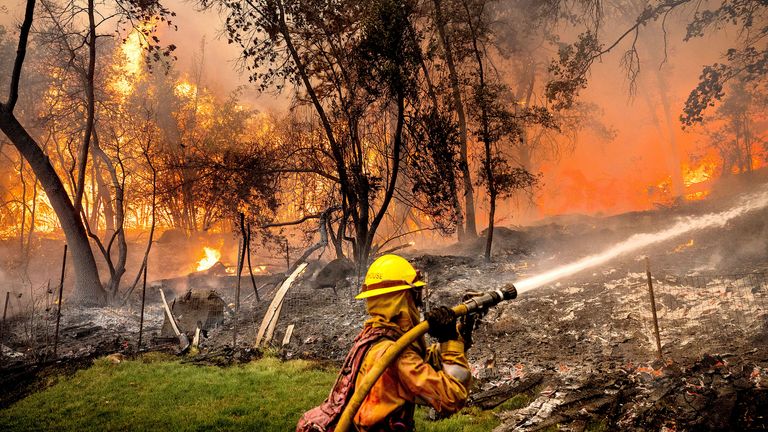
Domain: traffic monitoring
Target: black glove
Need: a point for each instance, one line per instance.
(466, 325)
(442, 324)
(469, 322)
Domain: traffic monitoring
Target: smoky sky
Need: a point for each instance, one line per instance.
(596, 175)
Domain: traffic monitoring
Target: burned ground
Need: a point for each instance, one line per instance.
(582, 349)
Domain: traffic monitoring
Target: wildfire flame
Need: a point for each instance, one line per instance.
(212, 256)
(185, 89)
(259, 269)
(701, 173)
(132, 51)
(256, 270)
(694, 196)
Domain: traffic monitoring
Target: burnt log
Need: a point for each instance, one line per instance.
(494, 397)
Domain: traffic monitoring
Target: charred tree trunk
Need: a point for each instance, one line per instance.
(485, 131)
(356, 208)
(491, 215)
(460, 229)
(31, 230)
(145, 261)
(105, 197)
(678, 186)
(389, 192)
(88, 289)
(117, 270)
(470, 230)
(23, 205)
(337, 237)
(747, 142)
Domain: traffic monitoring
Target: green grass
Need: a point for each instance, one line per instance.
(165, 395)
(518, 401)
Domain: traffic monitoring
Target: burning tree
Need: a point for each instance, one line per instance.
(88, 287)
(737, 139)
(91, 101)
(356, 63)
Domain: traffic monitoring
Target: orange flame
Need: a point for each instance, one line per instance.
(701, 173)
(132, 51)
(185, 89)
(212, 256)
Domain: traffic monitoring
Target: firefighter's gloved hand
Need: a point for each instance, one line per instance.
(442, 324)
(466, 325)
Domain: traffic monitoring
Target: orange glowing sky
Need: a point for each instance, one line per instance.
(598, 177)
(620, 175)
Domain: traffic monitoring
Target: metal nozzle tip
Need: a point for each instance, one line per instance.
(510, 292)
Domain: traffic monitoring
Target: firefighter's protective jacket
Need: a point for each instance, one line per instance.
(410, 379)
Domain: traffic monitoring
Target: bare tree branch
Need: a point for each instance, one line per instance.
(21, 52)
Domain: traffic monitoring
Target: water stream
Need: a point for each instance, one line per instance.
(746, 204)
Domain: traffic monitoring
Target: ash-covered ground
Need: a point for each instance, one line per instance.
(581, 349)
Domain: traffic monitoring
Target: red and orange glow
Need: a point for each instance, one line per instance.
(129, 61)
(185, 89)
(700, 173)
(212, 256)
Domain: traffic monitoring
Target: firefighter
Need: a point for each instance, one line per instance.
(437, 376)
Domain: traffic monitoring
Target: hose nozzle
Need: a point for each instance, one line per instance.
(489, 299)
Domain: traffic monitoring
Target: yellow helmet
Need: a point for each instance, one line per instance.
(389, 273)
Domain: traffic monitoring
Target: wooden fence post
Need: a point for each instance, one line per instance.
(653, 308)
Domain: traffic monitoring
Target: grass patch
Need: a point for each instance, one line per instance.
(597, 426)
(155, 393)
(466, 420)
(520, 400)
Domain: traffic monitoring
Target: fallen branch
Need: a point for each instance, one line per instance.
(267, 327)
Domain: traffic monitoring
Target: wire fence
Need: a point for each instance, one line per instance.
(708, 313)
(715, 312)
(696, 314)
(29, 323)
(306, 298)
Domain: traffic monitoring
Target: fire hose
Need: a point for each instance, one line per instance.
(473, 305)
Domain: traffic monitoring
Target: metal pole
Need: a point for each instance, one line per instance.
(241, 259)
(143, 297)
(58, 311)
(2, 327)
(653, 308)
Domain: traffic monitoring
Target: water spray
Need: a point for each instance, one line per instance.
(489, 299)
(748, 203)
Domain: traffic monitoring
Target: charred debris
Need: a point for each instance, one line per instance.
(577, 353)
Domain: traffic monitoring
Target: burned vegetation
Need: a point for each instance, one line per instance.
(573, 149)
